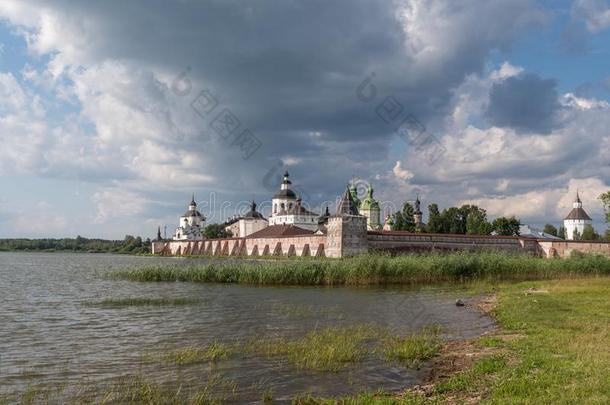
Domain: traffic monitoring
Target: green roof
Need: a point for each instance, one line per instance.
(353, 190)
(369, 203)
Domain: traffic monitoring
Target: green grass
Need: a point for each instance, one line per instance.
(557, 353)
(332, 349)
(328, 349)
(564, 356)
(413, 349)
(137, 302)
(321, 350)
(364, 398)
(553, 348)
(193, 355)
(378, 270)
(491, 341)
(133, 389)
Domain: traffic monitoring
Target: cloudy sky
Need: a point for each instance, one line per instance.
(112, 113)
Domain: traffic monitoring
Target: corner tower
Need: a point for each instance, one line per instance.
(577, 220)
(346, 230)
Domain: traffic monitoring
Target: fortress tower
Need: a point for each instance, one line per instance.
(346, 230)
(577, 220)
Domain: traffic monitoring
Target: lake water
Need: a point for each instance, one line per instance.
(49, 336)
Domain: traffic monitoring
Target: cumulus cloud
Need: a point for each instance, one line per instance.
(289, 72)
(594, 13)
(116, 203)
(552, 204)
(401, 173)
(512, 171)
(526, 103)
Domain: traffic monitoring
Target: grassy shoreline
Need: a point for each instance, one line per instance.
(371, 270)
(551, 348)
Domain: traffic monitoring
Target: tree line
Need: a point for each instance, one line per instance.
(472, 220)
(467, 220)
(130, 244)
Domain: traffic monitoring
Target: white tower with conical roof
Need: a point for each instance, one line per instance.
(577, 220)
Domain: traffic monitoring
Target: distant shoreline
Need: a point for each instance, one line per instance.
(129, 245)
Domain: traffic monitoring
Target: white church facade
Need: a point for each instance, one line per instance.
(247, 224)
(287, 208)
(191, 224)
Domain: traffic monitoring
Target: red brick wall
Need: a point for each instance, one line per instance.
(312, 245)
(565, 248)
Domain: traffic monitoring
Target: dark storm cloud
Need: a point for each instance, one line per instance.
(295, 65)
(290, 68)
(525, 103)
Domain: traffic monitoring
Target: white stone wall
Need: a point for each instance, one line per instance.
(346, 236)
(572, 225)
(249, 226)
(373, 219)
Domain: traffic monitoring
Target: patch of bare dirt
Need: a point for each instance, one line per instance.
(487, 304)
(460, 356)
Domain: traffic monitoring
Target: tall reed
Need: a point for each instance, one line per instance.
(377, 270)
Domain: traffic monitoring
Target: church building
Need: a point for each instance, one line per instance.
(577, 220)
(369, 207)
(245, 225)
(287, 208)
(191, 224)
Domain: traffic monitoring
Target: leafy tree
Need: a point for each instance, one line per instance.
(589, 233)
(453, 220)
(403, 220)
(605, 199)
(506, 226)
(562, 232)
(435, 224)
(216, 231)
(476, 222)
(550, 229)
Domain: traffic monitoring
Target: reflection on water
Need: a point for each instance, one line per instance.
(48, 335)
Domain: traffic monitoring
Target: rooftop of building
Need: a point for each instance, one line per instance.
(346, 205)
(528, 231)
(193, 213)
(252, 213)
(578, 214)
(286, 193)
(296, 209)
(275, 231)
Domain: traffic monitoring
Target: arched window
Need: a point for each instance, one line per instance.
(283, 206)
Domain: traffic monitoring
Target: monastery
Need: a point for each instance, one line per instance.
(355, 228)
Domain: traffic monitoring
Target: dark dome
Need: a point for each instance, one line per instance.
(285, 194)
(193, 214)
